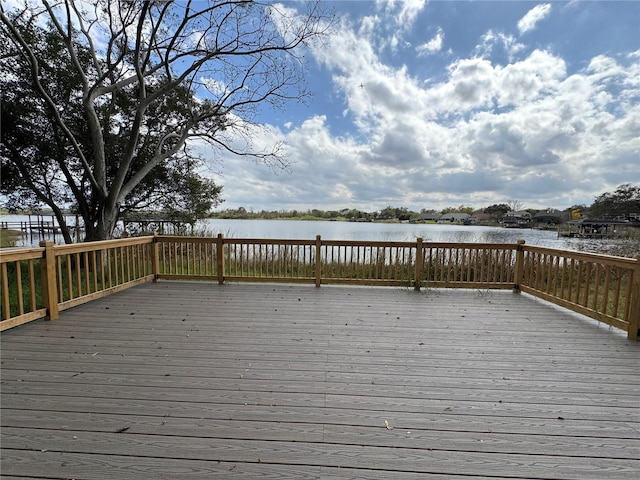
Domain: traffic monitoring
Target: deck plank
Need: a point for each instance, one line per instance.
(539, 443)
(196, 380)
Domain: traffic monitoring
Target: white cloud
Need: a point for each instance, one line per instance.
(285, 19)
(471, 82)
(525, 80)
(432, 46)
(392, 21)
(404, 11)
(214, 86)
(409, 10)
(491, 39)
(533, 16)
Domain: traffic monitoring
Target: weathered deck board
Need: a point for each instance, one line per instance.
(194, 380)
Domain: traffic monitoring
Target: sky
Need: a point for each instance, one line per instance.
(434, 104)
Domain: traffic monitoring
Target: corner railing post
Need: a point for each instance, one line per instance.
(155, 258)
(419, 265)
(519, 267)
(49, 290)
(220, 258)
(318, 261)
(633, 331)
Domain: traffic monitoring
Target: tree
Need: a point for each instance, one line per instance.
(39, 163)
(624, 201)
(515, 205)
(116, 96)
(388, 213)
(459, 209)
(497, 211)
(395, 213)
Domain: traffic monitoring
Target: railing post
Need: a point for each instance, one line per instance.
(49, 290)
(220, 258)
(633, 331)
(519, 267)
(419, 265)
(318, 261)
(155, 257)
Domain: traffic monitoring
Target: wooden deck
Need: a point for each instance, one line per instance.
(196, 380)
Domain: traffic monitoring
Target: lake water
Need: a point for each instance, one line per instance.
(301, 229)
(393, 232)
(400, 232)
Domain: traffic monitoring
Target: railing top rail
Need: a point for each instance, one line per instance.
(249, 241)
(367, 243)
(573, 254)
(470, 245)
(104, 244)
(17, 254)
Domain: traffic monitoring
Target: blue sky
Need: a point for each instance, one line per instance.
(430, 104)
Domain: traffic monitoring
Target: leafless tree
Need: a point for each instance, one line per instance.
(515, 205)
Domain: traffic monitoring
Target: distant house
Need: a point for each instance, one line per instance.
(458, 218)
(480, 216)
(519, 219)
(547, 217)
(429, 216)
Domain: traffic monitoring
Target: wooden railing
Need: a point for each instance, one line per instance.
(52, 278)
(25, 300)
(601, 287)
(39, 282)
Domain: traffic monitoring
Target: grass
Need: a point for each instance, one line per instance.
(9, 238)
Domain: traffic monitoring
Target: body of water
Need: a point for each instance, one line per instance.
(401, 232)
(394, 232)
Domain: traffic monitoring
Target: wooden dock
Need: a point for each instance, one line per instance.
(176, 380)
(41, 227)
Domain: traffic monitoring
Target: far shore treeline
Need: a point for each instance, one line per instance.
(623, 203)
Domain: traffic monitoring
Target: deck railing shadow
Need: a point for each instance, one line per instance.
(41, 282)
